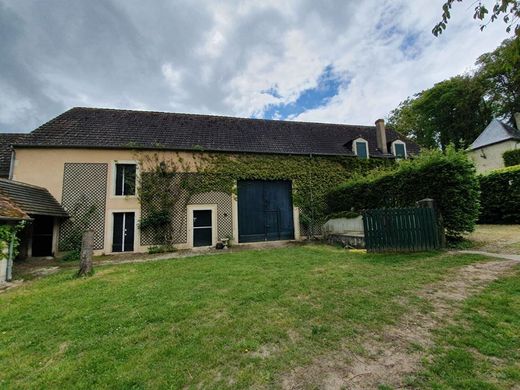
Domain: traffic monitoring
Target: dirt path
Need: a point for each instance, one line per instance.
(497, 238)
(390, 357)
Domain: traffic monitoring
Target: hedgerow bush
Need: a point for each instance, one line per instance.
(449, 178)
(511, 157)
(500, 196)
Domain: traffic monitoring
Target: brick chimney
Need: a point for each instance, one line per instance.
(517, 120)
(381, 136)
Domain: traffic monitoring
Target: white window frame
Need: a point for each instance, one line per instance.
(354, 146)
(214, 233)
(398, 141)
(114, 178)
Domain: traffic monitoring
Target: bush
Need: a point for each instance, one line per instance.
(449, 178)
(500, 196)
(511, 157)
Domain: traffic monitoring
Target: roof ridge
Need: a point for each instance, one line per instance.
(214, 116)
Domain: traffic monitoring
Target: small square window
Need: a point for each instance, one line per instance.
(125, 179)
(400, 150)
(361, 149)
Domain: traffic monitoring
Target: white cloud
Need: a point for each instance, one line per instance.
(221, 57)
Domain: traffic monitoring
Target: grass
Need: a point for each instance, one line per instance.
(230, 321)
(481, 350)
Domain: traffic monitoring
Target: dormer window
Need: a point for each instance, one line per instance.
(360, 148)
(399, 149)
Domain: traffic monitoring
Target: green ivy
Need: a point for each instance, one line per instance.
(511, 157)
(312, 178)
(500, 196)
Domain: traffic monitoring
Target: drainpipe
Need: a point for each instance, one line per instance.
(9, 271)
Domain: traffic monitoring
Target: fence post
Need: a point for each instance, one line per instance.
(87, 245)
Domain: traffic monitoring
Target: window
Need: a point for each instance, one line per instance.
(399, 149)
(361, 148)
(125, 179)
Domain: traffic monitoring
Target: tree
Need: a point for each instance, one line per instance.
(508, 10)
(499, 72)
(453, 111)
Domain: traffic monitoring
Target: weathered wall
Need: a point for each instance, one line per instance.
(490, 157)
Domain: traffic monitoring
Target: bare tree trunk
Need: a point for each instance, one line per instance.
(87, 245)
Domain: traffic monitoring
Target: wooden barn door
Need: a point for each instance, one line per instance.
(265, 211)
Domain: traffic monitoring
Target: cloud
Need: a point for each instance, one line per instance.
(332, 61)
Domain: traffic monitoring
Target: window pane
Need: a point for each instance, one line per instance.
(399, 150)
(125, 179)
(361, 149)
(129, 188)
(120, 171)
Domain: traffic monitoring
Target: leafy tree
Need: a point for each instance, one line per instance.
(499, 72)
(508, 10)
(453, 111)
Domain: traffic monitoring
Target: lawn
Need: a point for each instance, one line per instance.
(229, 321)
(481, 348)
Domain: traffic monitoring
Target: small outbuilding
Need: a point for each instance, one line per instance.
(21, 201)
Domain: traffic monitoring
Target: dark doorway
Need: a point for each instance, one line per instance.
(202, 228)
(43, 227)
(123, 232)
(265, 210)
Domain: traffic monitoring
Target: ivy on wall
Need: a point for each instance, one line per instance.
(166, 187)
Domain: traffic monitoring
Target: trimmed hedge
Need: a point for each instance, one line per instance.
(448, 178)
(500, 196)
(511, 157)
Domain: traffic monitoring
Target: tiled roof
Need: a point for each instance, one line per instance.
(6, 140)
(32, 200)
(107, 128)
(10, 211)
(495, 132)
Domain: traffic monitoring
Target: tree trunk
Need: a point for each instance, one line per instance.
(87, 245)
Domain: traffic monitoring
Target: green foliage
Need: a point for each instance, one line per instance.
(453, 111)
(449, 178)
(507, 10)
(499, 72)
(8, 233)
(500, 196)
(511, 157)
(457, 110)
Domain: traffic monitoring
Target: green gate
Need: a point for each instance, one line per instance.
(403, 229)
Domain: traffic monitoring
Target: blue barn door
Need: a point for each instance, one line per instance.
(265, 211)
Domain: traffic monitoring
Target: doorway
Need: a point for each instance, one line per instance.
(123, 232)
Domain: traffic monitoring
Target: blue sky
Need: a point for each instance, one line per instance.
(327, 86)
(335, 61)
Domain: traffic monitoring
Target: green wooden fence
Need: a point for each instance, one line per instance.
(403, 229)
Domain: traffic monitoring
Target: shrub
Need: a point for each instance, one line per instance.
(500, 196)
(511, 157)
(449, 178)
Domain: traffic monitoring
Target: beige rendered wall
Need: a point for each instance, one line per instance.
(44, 167)
(490, 157)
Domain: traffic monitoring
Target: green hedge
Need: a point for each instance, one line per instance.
(448, 178)
(511, 157)
(500, 196)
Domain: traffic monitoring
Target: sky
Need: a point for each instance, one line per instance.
(336, 61)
